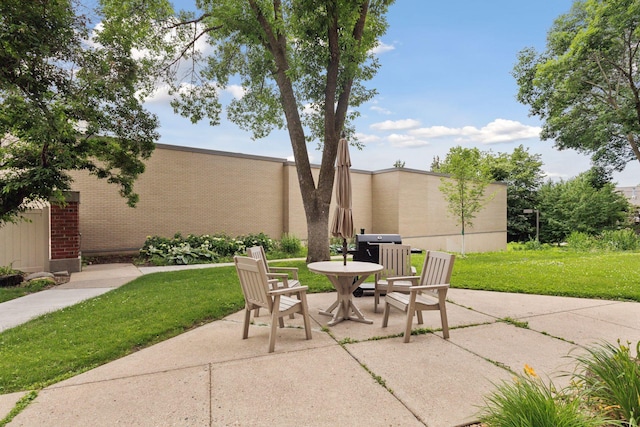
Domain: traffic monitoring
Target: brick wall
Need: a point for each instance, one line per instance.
(65, 230)
(198, 191)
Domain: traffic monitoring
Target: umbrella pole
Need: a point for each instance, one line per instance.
(344, 250)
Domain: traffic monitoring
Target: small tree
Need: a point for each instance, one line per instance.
(398, 164)
(464, 189)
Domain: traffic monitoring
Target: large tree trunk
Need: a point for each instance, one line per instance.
(317, 233)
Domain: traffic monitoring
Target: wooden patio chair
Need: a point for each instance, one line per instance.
(257, 252)
(259, 292)
(396, 260)
(288, 273)
(427, 292)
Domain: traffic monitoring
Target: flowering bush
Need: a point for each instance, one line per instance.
(604, 391)
(192, 249)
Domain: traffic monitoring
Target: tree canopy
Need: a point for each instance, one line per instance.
(578, 205)
(586, 85)
(67, 102)
(522, 172)
(301, 66)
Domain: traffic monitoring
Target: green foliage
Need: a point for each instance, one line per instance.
(66, 104)
(192, 249)
(611, 380)
(6, 270)
(290, 244)
(578, 241)
(530, 402)
(576, 205)
(584, 86)
(608, 240)
(604, 390)
(522, 172)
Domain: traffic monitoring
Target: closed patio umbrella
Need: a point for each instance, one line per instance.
(342, 225)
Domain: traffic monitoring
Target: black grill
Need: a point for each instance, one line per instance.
(367, 250)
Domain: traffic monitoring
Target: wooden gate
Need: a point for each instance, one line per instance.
(25, 245)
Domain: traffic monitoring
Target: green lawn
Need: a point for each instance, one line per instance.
(158, 306)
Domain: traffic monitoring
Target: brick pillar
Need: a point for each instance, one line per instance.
(65, 235)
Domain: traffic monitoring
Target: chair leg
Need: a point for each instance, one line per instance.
(247, 319)
(275, 319)
(305, 315)
(420, 319)
(443, 314)
(411, 309)
(407, 328)
(385, 318)
(376, 299)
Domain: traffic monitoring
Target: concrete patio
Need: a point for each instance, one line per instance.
(349, 374)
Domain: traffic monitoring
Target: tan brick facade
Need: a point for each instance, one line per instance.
(199, 191)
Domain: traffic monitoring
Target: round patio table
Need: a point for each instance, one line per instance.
(342, 277)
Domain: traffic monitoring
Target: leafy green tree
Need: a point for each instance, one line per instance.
(522, 172)
(398, 164)
(576, 205)
(586, 85)
(67, 102)
(465, 188)
(301, 65)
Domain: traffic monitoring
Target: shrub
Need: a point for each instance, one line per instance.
(194, 249)
(618, 240)
(579, 241)
(611, 379)
(528, 401)
(290, 244)
(604, 390)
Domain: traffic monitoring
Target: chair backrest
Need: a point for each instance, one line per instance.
(437, 268)
(254, 282)
(257, 252)
(396, 260)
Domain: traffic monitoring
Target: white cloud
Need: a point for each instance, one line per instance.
(406, 141)
(367, 139)
(396, 125)
(380, 110)
(499, 130)
(236, 90)
(382, 47)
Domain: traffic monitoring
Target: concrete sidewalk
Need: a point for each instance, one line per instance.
(209, 376)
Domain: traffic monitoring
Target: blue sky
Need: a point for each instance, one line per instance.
(445, 80)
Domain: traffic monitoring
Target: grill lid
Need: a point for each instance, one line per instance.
(378, 238)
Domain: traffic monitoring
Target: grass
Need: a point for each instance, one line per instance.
(159, 306)
(606, 275)
(12, 292)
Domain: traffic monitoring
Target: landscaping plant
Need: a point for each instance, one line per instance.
(530, 402)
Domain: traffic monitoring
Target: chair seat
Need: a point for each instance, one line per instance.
(288, 303)
(401, 300)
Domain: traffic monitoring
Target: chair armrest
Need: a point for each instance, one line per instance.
(289, 291)
(392, 280)
(292, 270)
(279, 277)
(429, 287)
(403, 278)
